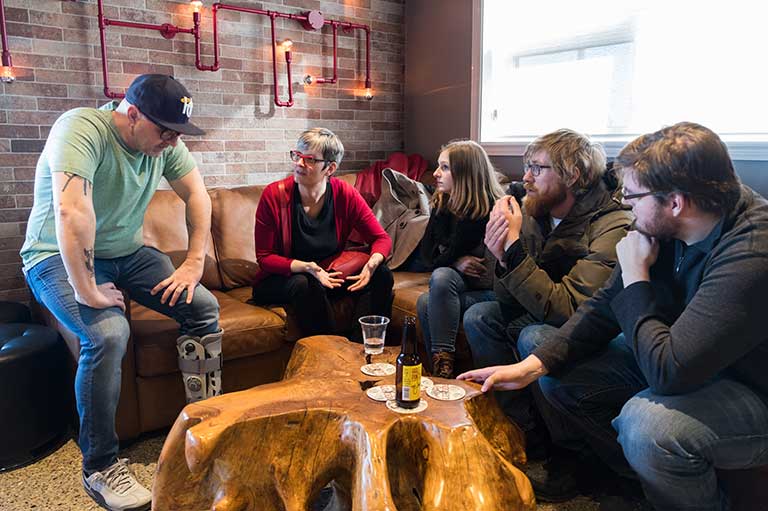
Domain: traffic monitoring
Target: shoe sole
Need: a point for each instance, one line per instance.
(102, 503)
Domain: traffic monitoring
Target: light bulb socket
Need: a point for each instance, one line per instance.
(6, 74)
(309, 80)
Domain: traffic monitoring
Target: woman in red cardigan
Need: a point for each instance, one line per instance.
(302, 223)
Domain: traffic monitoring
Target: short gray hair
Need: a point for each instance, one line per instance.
(323, 140)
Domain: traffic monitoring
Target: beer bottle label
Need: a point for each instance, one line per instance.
(411, 383)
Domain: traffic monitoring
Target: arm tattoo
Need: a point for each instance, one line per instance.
(88, 252)
(71, 176)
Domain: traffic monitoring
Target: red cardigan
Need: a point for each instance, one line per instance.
(350, 212)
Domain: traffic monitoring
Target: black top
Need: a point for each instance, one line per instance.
(313, 239)
(701, 316)
(448, 238)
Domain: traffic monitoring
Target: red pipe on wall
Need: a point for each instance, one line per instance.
(273, 14)
(102, 37)
(274, 67)
(169, 31)
(166, 30)
(7, 61)
(335, 74)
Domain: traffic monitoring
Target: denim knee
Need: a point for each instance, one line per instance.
(422, 303)
(651, 435)
(107, 344)
(478, 319)
(204, 312)
(533, 336)
(444, 279)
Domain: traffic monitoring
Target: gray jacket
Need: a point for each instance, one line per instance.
(403, 212)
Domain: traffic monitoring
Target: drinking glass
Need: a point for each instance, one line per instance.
(374, 332)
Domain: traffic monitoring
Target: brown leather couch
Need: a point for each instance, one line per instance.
(257, 342)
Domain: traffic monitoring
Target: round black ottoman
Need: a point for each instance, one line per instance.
(34, 393)
(12, 312)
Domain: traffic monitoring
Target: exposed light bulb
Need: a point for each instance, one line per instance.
(368, 93)
(197, 6)
(309, 79)
(286, 44)
(6, 74)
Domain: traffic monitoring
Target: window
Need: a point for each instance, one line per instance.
(616, 69)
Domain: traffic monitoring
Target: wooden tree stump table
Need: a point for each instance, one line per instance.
(275, 446)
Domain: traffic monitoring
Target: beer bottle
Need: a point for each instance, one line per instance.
(408, 376)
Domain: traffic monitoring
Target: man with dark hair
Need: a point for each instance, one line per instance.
(94, 180)
(665, 367)
(552, 254)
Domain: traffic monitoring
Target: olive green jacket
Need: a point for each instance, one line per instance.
(563, 269)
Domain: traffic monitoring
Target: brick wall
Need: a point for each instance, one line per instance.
(56, 55)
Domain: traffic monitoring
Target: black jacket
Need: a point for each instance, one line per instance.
(682, 342)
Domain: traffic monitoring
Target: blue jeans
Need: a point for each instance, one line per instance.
(441, 308)
(673, 443)
(104, 333)
(493, 341)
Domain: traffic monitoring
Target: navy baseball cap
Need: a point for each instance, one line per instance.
(165, 101)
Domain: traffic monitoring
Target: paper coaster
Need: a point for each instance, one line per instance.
(426, 383)
(392, 405)
(381, 393)
(445, 392)
(378, 369)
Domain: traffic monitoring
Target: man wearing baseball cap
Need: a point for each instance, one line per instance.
(84, 245)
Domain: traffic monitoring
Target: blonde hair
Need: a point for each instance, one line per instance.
(568, 152)
(475, 187)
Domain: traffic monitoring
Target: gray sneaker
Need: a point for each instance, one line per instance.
(116, 488)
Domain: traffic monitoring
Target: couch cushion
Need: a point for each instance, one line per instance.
(343, 310)
(165, 228)
(232, 225)
(248, 330)
(408, 286)
(349, 177)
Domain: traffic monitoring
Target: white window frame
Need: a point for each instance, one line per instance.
(740, 148)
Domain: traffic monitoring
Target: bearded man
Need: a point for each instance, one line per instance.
(552, 254)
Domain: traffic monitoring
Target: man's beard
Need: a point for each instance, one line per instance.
(542, 204)
(657, 228)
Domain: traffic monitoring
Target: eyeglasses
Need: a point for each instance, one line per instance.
(308, 159)
(166, 135)
(630, 196)
(534, 168)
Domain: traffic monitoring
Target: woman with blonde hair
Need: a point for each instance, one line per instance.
(466, 189)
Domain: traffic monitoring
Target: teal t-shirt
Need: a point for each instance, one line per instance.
(85, 142)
